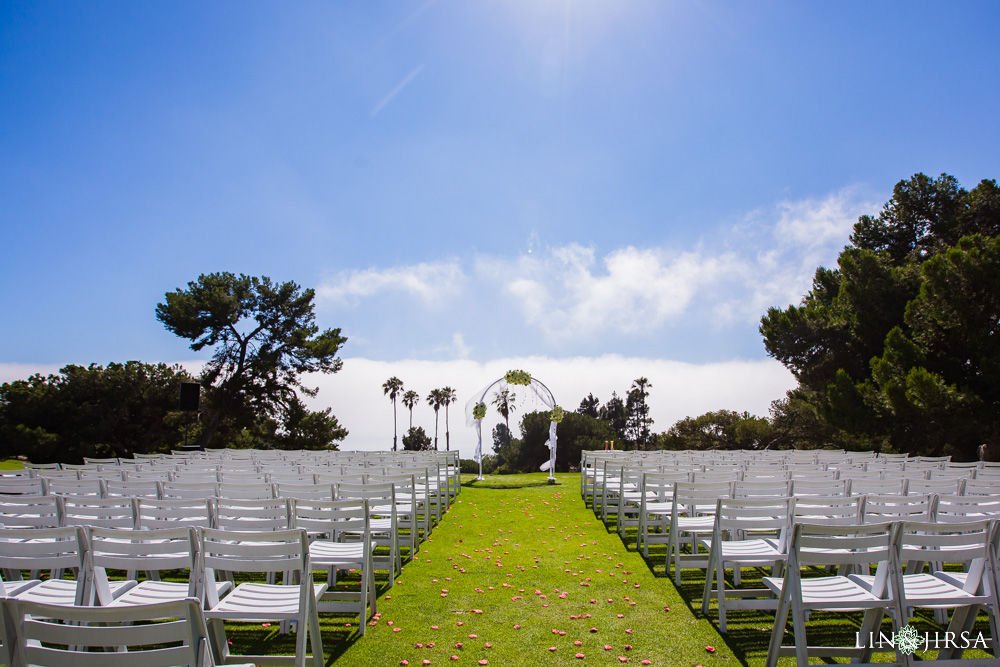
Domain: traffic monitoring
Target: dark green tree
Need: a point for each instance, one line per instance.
(638, 421)
(416, 440)
(720, 429)
(95, 411)
(576, 433)
(590, 406)
(264, 338)
(888, 348)
(615, 415)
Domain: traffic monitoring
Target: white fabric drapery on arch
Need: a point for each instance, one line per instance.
(538, 393)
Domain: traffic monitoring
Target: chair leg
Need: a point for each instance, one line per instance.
(317, 639)
(799, 631)
(870, 623)
(218, 640)
(709, 578)
(301, 634)
(778, 629)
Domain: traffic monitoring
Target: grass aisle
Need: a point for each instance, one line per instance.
(525, 575)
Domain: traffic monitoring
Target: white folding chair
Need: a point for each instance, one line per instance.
(384, 524)
(293, 601)
(246, 491)
(879, 509)
(250, 515)
(656, 507)
(340, 539)
(189, 490)
(747, 533)
(158, 635)
(55, 549)
(964, 592)
(693, 516)
(844, 546)
(82, 487)
(155, 552)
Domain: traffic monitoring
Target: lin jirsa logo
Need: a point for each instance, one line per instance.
(909, 639)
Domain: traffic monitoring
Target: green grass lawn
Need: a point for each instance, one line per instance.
(518, 573)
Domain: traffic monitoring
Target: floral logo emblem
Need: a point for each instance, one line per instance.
(908, 640)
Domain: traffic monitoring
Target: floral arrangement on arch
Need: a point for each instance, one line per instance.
(557, 414)
(518, 377)
(479, 411)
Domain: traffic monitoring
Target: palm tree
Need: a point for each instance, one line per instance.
(392, 387)
(410, 399)
(435, 399)
(448, 396)
(504, 400)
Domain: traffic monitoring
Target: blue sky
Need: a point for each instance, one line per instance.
(467, 180)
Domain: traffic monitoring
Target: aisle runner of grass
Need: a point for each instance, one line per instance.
(525, 575)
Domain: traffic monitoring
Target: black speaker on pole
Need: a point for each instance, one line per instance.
(190, 396)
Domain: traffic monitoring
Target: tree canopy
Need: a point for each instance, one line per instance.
(898, 347)
(94, 411)
(264, 338)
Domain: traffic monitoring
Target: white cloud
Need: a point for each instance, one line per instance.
(793, 239)
(431, 282)
(635, 291)
(569, 293)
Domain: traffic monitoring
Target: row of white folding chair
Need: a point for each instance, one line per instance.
(650, 507)
(892, 589)
(751, 533)
(90, 551)
(203, 553)
(693, 505)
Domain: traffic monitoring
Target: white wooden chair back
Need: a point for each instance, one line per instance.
(827, 510)
(173, 513)
(306, 491)
(266, 515)
(189, 490)
(133, 489)
(55, 549)
(56, 636)
(93, 488)
(30, 512)
(246, 491)
(104, 512)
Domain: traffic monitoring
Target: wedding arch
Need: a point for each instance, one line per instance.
(475, 410)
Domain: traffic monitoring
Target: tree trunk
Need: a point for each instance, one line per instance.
(447, 431)
(435, 430)
(395, 431)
